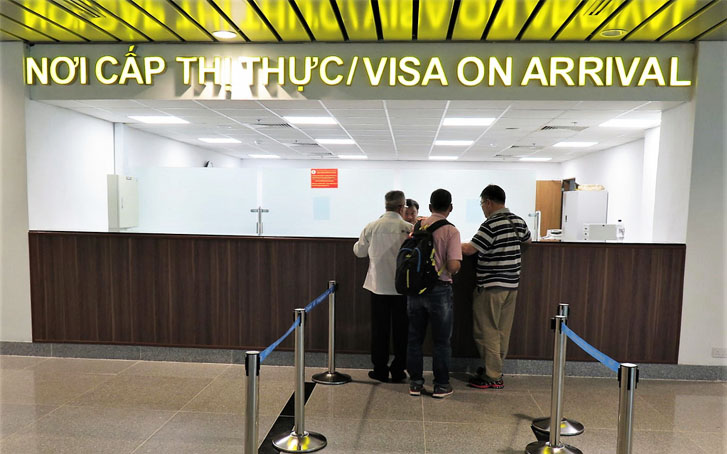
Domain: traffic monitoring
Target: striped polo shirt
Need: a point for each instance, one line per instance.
(498, 245)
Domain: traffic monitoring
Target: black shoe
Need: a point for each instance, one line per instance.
(416, 389)
(380, 377)
(485, 383)
(442, 391)
(398, 377)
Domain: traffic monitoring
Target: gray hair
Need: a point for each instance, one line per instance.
(394, 200)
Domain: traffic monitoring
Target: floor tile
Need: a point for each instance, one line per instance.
(190, 432)
(148, 393)
(172, 369)
(691, 413)
(604, 441)
(365, 401)
(709, 442)
(225, 395)
(19, 362)
(28, 386)
(14, 417)
(493, 437)
(368, 436)
(83, 366)
(85, 429)
(485, 407)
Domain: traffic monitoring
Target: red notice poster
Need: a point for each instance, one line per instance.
(323, 178)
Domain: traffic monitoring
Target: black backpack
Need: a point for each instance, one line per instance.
(416, 271)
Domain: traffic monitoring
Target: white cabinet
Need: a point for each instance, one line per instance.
(123, 202)
(582, 207)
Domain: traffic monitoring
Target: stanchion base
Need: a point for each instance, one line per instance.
(331, 378)
(307, 442)
(568, 427)
(543, 447)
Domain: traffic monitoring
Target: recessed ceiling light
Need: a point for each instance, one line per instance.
(224, 34)
(264, 156)
(311, 120)
(574, 144)
(634, 123)
(353, 156)
(335, 141)
(453, 143)
(159, 119)
(613, 32)
(218, 140)
(443, 158)
(535, 159)
(468, 121)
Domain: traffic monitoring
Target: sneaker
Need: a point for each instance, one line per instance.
(382, 378)
(480, 382)
(416, 389)
(398, 377)
(442, 391)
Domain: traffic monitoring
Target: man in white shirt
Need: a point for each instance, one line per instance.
(380, 242)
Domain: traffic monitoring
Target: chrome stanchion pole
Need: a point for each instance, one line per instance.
(568, 427)
(331, 377)
(628, 378)
(252, 401)
(554, 444)
(299, 440)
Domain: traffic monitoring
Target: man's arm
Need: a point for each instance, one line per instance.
(468, 249)
(361, 248)
(453, 266)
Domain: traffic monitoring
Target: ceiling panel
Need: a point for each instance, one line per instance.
(5, 36)
(589, 18)
(472, 19)
(320, 18)
(31, 20)
(208, 18)
(633, 15)
(510, 20)
(396, 19)
(183, 26)
(358, 19)
(23, 32)
(245, 17)
(669, 18)
(718, 33)
(283, 18)
(708, 18)
(433, 20)
(139, 19)
(549, 19)
(69, 21)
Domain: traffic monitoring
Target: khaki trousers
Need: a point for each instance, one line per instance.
(492, 314)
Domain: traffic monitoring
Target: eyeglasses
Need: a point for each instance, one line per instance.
(483, 202)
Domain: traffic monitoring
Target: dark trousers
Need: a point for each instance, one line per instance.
(435, 308)
(388, 322)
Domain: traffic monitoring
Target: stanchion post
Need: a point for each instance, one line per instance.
(628, 378)
(554, 445)
(252, 401)
(568, 427)
(299, 440)
(331, 377)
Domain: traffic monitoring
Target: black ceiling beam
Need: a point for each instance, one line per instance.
(648, 19)
(181, 11)
(150, 16)
(302, 20)
(229, 20)
(84, 20)
(377, 19)
(491, 20)
(415, 20)
(569, 20)
(122, 21)
(530, 19)
(710, 29)
(49, 20)
(453, 19)
(339, 19)
(265, 20)
(28, 27)
(608, 19)
(692, 16)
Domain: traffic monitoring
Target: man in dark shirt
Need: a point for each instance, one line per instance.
(497, 245)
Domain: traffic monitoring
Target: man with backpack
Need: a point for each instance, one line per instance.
(380, 241)
(425, 266)
(497, 245)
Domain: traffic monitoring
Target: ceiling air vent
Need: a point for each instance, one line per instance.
(261, 125)
(84, 8)
(304, 144)
(597, 7)
(566, 128)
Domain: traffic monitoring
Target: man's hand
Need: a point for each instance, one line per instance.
(468, 249)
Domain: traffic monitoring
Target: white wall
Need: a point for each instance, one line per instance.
(14, 263)
(69, 156)
(142, 149)
(671, 201)
(704, 311)
(648, 186)
(620, 171)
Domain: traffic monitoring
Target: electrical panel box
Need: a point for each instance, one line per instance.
(123, 201)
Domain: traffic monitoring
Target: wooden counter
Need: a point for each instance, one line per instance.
(240, 292)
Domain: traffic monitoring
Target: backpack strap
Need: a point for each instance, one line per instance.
(441, 223)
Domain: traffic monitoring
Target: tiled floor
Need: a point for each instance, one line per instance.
(54, 405)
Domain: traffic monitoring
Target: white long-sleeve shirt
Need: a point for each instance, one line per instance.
(380, 242)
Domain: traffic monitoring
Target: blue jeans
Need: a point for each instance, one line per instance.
(434, 307)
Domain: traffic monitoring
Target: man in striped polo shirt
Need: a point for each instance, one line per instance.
(497, 245)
